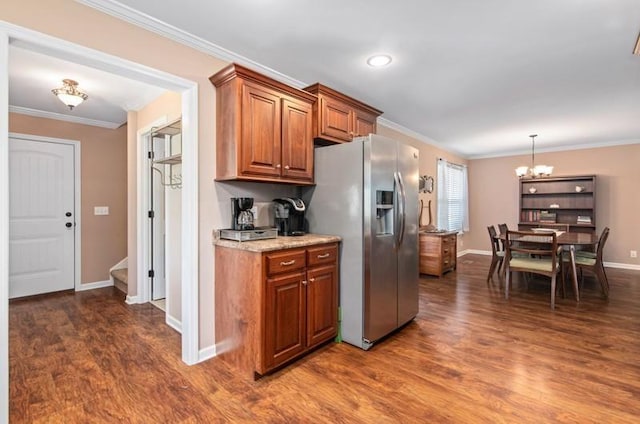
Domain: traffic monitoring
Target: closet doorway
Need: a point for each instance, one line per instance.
(165, 215)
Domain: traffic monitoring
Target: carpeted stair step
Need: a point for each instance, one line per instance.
(120, 277)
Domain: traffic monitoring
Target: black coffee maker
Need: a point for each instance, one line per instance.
(289, 216)
(241, 215)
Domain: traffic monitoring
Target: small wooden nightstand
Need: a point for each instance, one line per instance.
(438, 252)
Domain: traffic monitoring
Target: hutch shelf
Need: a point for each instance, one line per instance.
(566, 203)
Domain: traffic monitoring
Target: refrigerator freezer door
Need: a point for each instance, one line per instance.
(408, 251)
(380, 272)
(334, 206)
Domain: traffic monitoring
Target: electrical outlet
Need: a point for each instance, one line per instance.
(633, 254)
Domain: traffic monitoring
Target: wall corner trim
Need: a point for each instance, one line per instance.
(174, 323)
(132, 300)
(207, 353)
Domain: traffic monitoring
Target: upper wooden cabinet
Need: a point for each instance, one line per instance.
(338, 118)
(264, 128)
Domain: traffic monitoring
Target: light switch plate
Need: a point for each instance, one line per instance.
(101, 210)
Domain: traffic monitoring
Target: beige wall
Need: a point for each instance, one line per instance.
(493, 197)
(103, 183)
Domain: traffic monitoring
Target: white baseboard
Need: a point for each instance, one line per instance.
(132, 300)
(95, 285)
(174, 323)
(619, 265)
(206, 353)
(475, 252)
(622, 266)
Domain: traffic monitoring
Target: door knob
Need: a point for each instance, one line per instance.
(68, 225)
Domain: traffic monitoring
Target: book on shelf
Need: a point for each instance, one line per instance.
(583, 219)
(548, 217)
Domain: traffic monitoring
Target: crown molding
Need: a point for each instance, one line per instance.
(62, 117)
(565, 148)
(142, 20)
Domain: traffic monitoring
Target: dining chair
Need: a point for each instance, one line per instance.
(592, 261)
(497, 254)
(535, 253)
(503, 230)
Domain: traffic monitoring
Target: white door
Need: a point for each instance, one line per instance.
(157, 222)
(41, 217)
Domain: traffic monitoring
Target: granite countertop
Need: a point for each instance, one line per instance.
(278, 243)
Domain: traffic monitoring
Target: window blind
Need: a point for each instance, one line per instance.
(452, 197)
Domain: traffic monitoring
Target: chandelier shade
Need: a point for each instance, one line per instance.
(69, 93)
(534, 170)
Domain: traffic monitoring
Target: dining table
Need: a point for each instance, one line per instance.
(570, 240)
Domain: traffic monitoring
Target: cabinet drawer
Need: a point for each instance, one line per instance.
(321, 255)
(286, 261)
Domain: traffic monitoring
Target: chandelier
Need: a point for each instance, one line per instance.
(69, 93)
(535, 170)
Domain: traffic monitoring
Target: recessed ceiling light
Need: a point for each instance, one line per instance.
(379, 60)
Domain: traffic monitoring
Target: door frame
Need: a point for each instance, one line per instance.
(77, 200)
(43, 43)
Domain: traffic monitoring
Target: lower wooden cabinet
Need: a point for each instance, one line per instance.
(272, 307)
(438, 252)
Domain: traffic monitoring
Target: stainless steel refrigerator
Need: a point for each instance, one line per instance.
(367, 193)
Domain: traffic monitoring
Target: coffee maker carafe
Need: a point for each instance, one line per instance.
(241, 215)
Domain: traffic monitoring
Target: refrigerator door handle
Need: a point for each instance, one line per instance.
(402, 211)
(396, 216)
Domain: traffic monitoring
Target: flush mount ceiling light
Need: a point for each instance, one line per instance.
(535, 170)
(379, 60)
(69, 93)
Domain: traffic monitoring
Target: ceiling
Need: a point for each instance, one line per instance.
(474, 77)
(33, 75)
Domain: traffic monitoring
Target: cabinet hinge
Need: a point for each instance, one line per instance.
(151, 273)
(150, 155)
(151, 214)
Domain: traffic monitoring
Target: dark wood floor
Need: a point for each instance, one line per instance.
(470, 356)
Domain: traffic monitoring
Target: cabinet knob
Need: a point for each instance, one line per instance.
(278, 166)
(304, 282)
(311, 280)
(286, 167)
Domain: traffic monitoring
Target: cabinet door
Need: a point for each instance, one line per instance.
(336, 119)
(297, 139)
(322, 304)
(261, 132)
(364, 123)
(284, 318)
